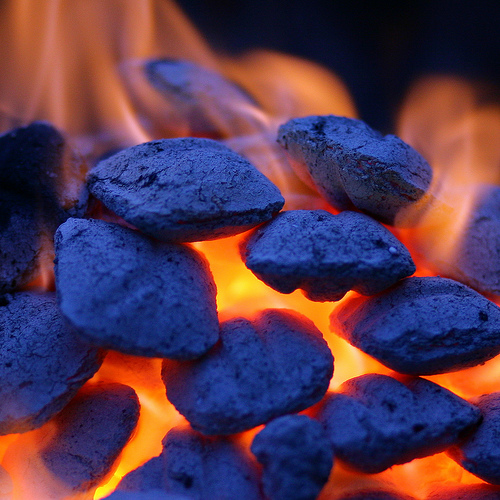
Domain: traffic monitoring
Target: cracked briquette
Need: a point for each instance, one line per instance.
(479, 452)
(296, 457)
(125, 291)
(353, 165)
(326, 255)
(273, 364)
(199, 467)
(91, 431)
(43, 362)
(376, 421)
(199, 100)
(185, 189)
(422, 326)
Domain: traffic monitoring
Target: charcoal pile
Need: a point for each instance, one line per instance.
(135, 285)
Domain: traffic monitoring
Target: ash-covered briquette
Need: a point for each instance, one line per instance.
(353, 165)
(198, 467)
(91, 432)
(146, 495)
(200, 101)
(376, 421)
(274, 364)
(21, 241)
(465, 492)
(185, 189)
(326, 255)
(36, 162)
(43, 362)
(422, 326)
(479, 453)
(296, 457)
(476, 261)
(375, 494)
(125, 291)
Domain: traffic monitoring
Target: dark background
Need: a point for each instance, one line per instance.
(377, 48)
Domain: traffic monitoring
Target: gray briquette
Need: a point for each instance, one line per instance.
(326, 255)
(43, 362)
(125, 291)
(479, 453)
(376, 421)
(274, 364)
(198, 467)
(296, 457)
(91, 432)
(185, 189)
(422, 326)
(353, 165)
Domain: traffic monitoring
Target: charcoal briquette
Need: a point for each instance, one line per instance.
(43, 362)
(271, 365)
(37, 162)
(125, 291)
(375, 494)
(296, 457)
(23, 241)
(353, 165)
(326, 255)
(422, 326)
(199, 467)
(480, 452)
(146, 495)
(465, 492)
(202, 100)
(476, 260)
(376, 421)
(91, 432)
(185, 189)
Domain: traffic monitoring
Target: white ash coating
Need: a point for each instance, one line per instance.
(353, 165)
(376, 421)
(185, 189)
(125, 291)
(326, 255)
(43, 362)
(275, 364)
(92, 431)
(422, 326)
(296, 457)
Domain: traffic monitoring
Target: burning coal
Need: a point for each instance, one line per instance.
(203, 217)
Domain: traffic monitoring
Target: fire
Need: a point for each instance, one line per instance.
(80, 65)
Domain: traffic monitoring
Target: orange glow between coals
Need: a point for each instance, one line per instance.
(79, 67)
